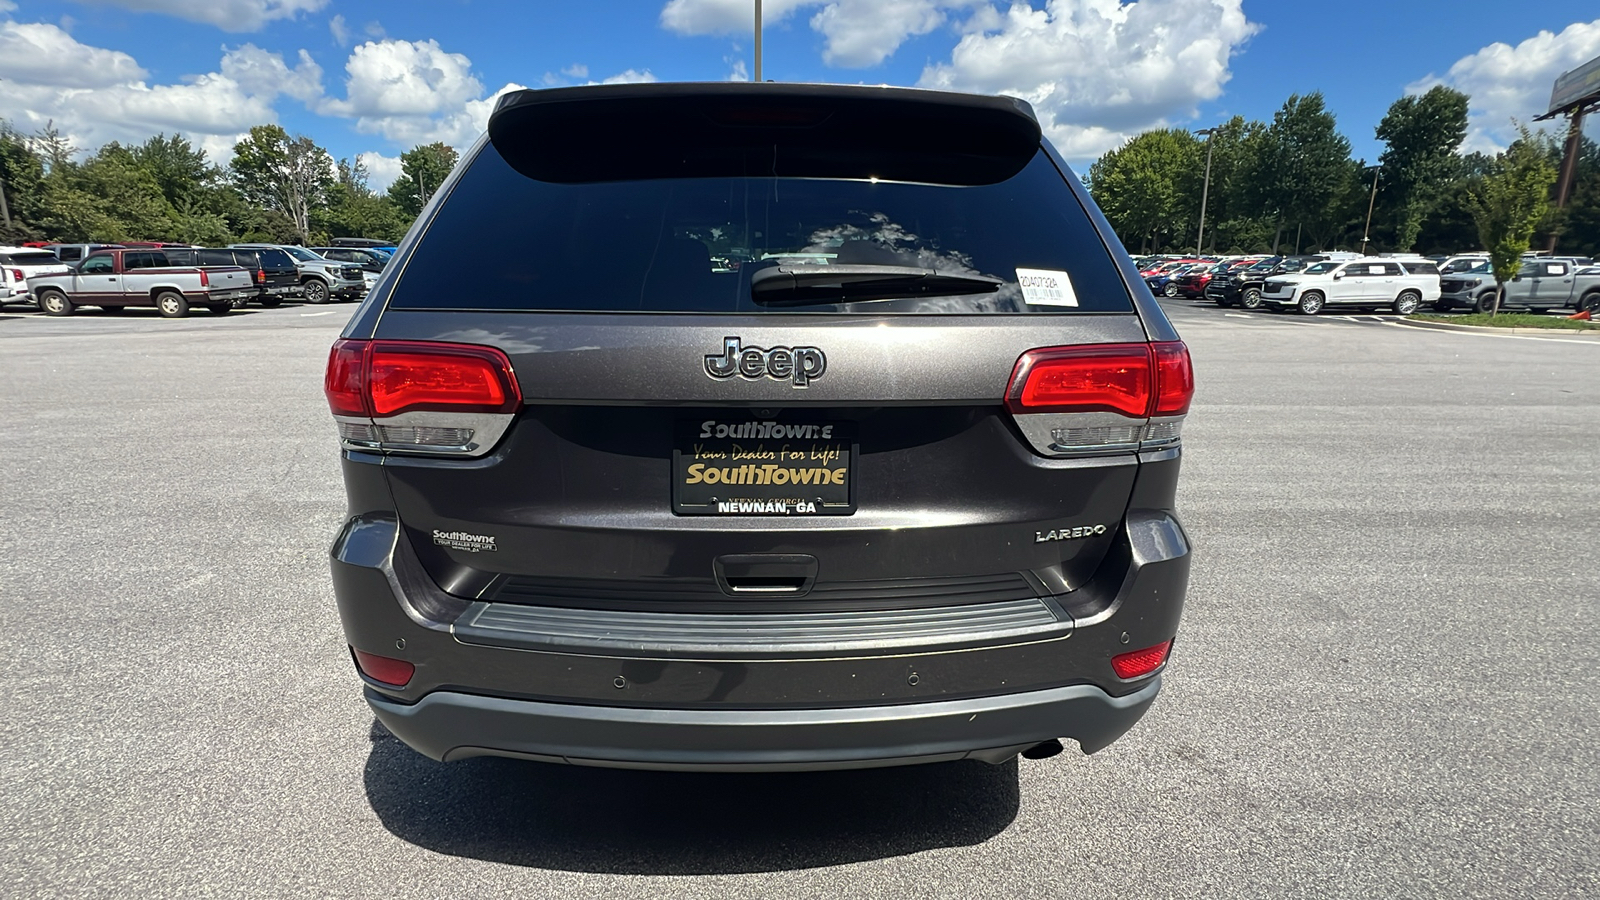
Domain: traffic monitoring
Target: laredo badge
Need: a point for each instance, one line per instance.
(1068, 534)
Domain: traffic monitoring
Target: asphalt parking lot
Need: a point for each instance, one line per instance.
(1386, 683)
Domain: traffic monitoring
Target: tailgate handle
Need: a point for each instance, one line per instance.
(765, 574)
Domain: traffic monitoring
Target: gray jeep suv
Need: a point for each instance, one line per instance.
(811, 426)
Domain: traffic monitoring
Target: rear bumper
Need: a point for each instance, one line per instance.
(597, 688)
(446, 725)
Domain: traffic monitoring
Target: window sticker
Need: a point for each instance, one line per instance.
(1046, 287)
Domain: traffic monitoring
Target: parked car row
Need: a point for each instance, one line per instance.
(1398, 282)
(59, 278)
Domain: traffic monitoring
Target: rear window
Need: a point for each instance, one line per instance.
(275, 259)
(693, 244)
(1421, 267)
(29, 258)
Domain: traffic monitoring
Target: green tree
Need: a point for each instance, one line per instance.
(1508, 203)
(287, 176)
(423, 169)
(179, 168)
(1149, 188)
(129, 196)
(1301, 166)
(1422, 135)
(1232, 221)
(21, 171)
(355, 210)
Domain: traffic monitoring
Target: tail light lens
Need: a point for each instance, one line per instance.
(18, 276)
(261, 276)
(1174, 379)
(1115, 378)
(1141, 662)
(205, 279)
(421, 397)
(1102, 398)
(450, 377)
(384, 669)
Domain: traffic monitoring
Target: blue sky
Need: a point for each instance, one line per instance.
(375, 78)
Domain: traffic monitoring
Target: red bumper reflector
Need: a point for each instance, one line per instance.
(382, 669)
(1139, 662)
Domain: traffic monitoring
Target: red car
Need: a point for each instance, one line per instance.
(1192, 284)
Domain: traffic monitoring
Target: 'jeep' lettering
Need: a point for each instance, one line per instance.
(798, 365)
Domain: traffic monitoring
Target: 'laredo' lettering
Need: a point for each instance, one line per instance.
(1068, 534)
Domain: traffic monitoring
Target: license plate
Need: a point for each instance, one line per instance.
(763, 467)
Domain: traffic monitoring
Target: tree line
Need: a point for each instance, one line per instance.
(278, 188)
(1290, 185)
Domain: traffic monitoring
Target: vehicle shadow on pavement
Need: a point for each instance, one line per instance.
(581, 819)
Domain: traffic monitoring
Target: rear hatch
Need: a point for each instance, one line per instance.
(808, 386)
(276, 272)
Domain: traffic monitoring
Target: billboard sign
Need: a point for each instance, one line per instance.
(1579, 84)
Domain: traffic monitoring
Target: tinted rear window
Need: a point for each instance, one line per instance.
(30, 258)
(692, 244)
(275, 259)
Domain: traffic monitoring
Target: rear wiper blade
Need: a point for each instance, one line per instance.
(813, 285)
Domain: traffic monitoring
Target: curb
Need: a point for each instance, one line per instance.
(1489, 329)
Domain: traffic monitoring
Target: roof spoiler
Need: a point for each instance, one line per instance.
(709, 130)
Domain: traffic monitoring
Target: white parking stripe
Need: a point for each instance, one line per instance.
(1511, 337)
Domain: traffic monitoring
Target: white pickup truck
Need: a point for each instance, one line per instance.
(116, 279)
(1369, 282)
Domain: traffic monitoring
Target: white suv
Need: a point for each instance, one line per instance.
(1367, 282)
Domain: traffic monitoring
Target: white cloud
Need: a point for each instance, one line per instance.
(339, 30)
(258, 72)
(398, 80)
(858, 33)
(737, 70)
(724, 16)
(417, 93)
(382, 171)
(631, 76)
(1508, 82)
(576, 70)
(94, 95)
(228, 15)
(38, 54)
(1099, 71)
(864, 33)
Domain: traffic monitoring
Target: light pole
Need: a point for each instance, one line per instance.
(1366, 232)
(1205, 190)
(758, 41)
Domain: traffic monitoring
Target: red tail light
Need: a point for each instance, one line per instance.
(383, 669)
(345, 380)
(450, 377)
(205, 280)
(1133, 380)
(1174, 379)
(261, 276)
(16, 275)
(386, 378)
(1139, 662)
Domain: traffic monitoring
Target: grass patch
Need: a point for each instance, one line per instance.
(1510, 320)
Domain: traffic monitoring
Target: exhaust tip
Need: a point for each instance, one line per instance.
(1044, 750)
